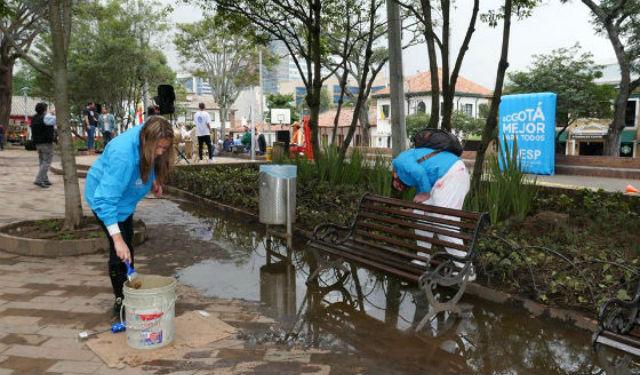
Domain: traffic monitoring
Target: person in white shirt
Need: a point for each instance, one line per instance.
(203, 130)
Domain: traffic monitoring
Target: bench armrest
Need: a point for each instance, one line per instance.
(332, 233)
(618, 316)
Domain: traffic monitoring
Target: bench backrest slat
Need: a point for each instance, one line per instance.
(410, 234)
(417, 225)
(416, 216)
(433, 209)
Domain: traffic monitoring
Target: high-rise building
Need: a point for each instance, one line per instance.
(194, 85)
(284, 70)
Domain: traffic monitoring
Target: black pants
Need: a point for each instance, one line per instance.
(117, 268)
(205, 139)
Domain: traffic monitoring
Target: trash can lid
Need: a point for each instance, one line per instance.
(280, 171)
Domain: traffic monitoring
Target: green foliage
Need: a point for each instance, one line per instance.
(508, 193)
(113, 51)
(416, 122)
(23, 77)
(284, 101)
(326, 102)
(468, 126)
(570, 73)
(223, 49)
(576, 250)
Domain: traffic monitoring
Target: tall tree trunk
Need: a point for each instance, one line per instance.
(433, 64)
(396, 79)
(611, 20)
(60, 23)
(492, 117)
(453, 80)
(343, 86)
(6, 85)
(223, 119)
(447, 90)
(313, 100)
(363, 114)
(612, 142)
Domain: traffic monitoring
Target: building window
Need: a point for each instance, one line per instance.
(325, 139)
(357, 139)
(630, 114)
(385, 111)
(422, 108)
(468, 109)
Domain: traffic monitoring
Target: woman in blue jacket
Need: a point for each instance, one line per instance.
(132, 164)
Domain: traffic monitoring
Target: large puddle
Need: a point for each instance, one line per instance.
(353, 311)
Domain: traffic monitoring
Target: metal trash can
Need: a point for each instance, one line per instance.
(273, 193)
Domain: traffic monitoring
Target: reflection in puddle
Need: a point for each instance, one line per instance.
(366, 314)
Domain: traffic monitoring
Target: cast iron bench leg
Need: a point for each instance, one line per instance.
(435, 306)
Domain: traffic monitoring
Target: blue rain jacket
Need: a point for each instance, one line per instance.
(113, 187)
(423, 175)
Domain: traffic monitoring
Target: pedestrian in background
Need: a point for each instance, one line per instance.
(203, 130)
(107, 125)
(42, 135)
(90, 121)
(3, 130)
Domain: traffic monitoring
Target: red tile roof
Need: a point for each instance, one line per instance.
(421, 83)
(346, 114)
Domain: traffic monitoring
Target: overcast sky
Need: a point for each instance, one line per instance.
(553, 25)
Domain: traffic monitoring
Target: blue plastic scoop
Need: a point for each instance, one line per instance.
(132, 275)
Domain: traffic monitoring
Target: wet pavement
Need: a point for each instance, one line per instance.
(364, 320)
(345, 323)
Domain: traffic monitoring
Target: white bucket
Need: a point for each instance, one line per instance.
(150, 311)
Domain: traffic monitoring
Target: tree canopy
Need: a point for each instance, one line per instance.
(571, 74)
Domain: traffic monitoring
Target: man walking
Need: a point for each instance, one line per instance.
(42, 135)
(203, 130)
(106, 124)
(90, 121)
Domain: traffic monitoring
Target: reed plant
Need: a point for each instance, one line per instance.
(506, 192)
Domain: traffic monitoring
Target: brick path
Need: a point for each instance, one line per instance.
(44, 303)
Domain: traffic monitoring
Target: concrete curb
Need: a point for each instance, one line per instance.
(34, 247)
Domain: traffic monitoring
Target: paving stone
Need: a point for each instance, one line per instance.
(62, 332)
(4, 328)
(287, 356)
(27, 365)
(48, 353)
(12, 290)
(23, 339)
(49, 299)
(105, 370)
(76, 367)
(55, 292)
(19, 320)
(67, 343)
(36, 306)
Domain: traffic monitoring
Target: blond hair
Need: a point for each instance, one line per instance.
(156, 128)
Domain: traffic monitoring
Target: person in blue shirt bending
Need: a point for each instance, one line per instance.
(132, 164)
(440, 178)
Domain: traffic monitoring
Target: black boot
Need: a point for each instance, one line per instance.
(117, 306)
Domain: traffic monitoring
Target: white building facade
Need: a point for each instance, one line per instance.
(468, 98)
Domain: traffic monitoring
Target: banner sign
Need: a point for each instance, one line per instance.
(529, 120)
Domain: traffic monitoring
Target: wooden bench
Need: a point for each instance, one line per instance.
(392, 236)
(619, 324)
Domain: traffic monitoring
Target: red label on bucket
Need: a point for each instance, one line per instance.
(150, 316)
